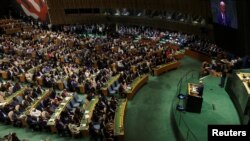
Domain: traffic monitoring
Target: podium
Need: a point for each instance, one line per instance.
(194, 101)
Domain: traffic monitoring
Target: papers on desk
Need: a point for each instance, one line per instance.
(2, 104)
(194, 90)
(129, 87)
(97, 126)
(247, 78)
(83, 125)
(57, 114)
(63, 104)
(57, 109)
(51, 120)
(86, 116)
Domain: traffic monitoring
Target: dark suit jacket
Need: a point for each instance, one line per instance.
(200, 89)
(220, 20)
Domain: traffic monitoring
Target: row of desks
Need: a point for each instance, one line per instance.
(119, 120)
(166, 67)
(109, 84)
(136, 85)
(44, 95)
(86, 119)
(52, 121)
(9, 99)
(179, 55)
(198, 56)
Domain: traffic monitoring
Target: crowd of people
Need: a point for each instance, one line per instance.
(45, 58)
(50, 57)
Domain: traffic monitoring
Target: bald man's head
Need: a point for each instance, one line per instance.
(222, 7)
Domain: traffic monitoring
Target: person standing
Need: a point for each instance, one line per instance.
(222, 17)
(223, 77)
(200, 88)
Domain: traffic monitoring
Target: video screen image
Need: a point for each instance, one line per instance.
(224, 13)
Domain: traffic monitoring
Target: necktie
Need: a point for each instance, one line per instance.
(224, 19)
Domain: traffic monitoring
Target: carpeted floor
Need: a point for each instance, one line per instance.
(148, 114)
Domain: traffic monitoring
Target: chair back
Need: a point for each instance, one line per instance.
(113, 85)
(72, 102)
(20, 99)
(109, 88)
(117, 83)
(76, 97)
(69, 107)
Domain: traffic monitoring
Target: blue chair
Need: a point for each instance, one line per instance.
(117, 84)
(74, 104)
(52, 108)
(20, 99)
(111, 92)
(116, 88)
(77, 99)
(71, 109)
(65, 84)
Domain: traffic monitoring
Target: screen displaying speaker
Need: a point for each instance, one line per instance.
(224, 13)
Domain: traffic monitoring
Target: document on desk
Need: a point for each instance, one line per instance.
(194, 90)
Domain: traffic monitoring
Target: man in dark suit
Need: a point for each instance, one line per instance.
(200, 88)
(222, 17)
(223, 77)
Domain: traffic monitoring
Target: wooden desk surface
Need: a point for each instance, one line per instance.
(197, 55)
(166, 67)
(136, 84)
(109, 83)
(119, 118)
(10, 98)
(84, 127)
(59, 109)
(179, 53)
(45, 94)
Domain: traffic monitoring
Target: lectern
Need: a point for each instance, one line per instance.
(194, 100)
